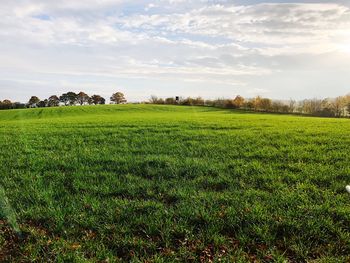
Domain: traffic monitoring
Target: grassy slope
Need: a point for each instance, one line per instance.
(167, 183)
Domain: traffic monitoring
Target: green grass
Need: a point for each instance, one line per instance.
(146, 183)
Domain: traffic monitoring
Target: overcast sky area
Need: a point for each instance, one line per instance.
(278, 49)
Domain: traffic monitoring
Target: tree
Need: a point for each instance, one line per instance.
(170, 101)
(249, 104)
(90, 101)
(118, 98)
(64, 99)
(42, 103)
(291, 106)
(97, 99)
(18, 105)
(312, 107)
(154, 99)
(265, 104)
(238, 102)
(82, 98)
(54, 101)
(198, 101)
(338, 105)
(229, 104)
(6, 104)
(33, 101)
(192, 101)
(69, 98)
(257, 103)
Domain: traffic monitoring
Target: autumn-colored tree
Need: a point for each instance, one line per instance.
(82, 98)
(118, 98)
(257, 103)
(238, 102)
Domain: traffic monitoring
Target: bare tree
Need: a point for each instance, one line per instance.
(292, 104)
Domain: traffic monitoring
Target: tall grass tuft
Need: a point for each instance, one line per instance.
(7, 212)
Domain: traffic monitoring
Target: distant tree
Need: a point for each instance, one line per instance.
(209, 103)
(338, 105)
(257, 103)
(155, 100)
(187, 101)
(33, 101)
(326, 109)
(348, 108)
(287, 109)
(54, 101)
(312, 107)
(82, 98)
(238, 102)
(97, 99)
(199, 101)
(229, 104)
(170, 101)
(220, 102)
(118, 98)
(90, 101)
(291, 106)
(64, 99)
(277, 106)
(6, 104)
(69, 98)
(193, 101)
(72, 98)
(18, 105)
(42, 103)
(249, 104)
(265, 104)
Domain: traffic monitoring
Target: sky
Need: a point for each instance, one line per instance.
(209, 48)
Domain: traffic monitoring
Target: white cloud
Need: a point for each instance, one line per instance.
(179, 41)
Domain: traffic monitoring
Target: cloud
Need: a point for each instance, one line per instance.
(182, 42)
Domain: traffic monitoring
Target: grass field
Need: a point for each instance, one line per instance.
(147, 183)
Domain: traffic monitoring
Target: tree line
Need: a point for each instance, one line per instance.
(329, 107)
(67, 99)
